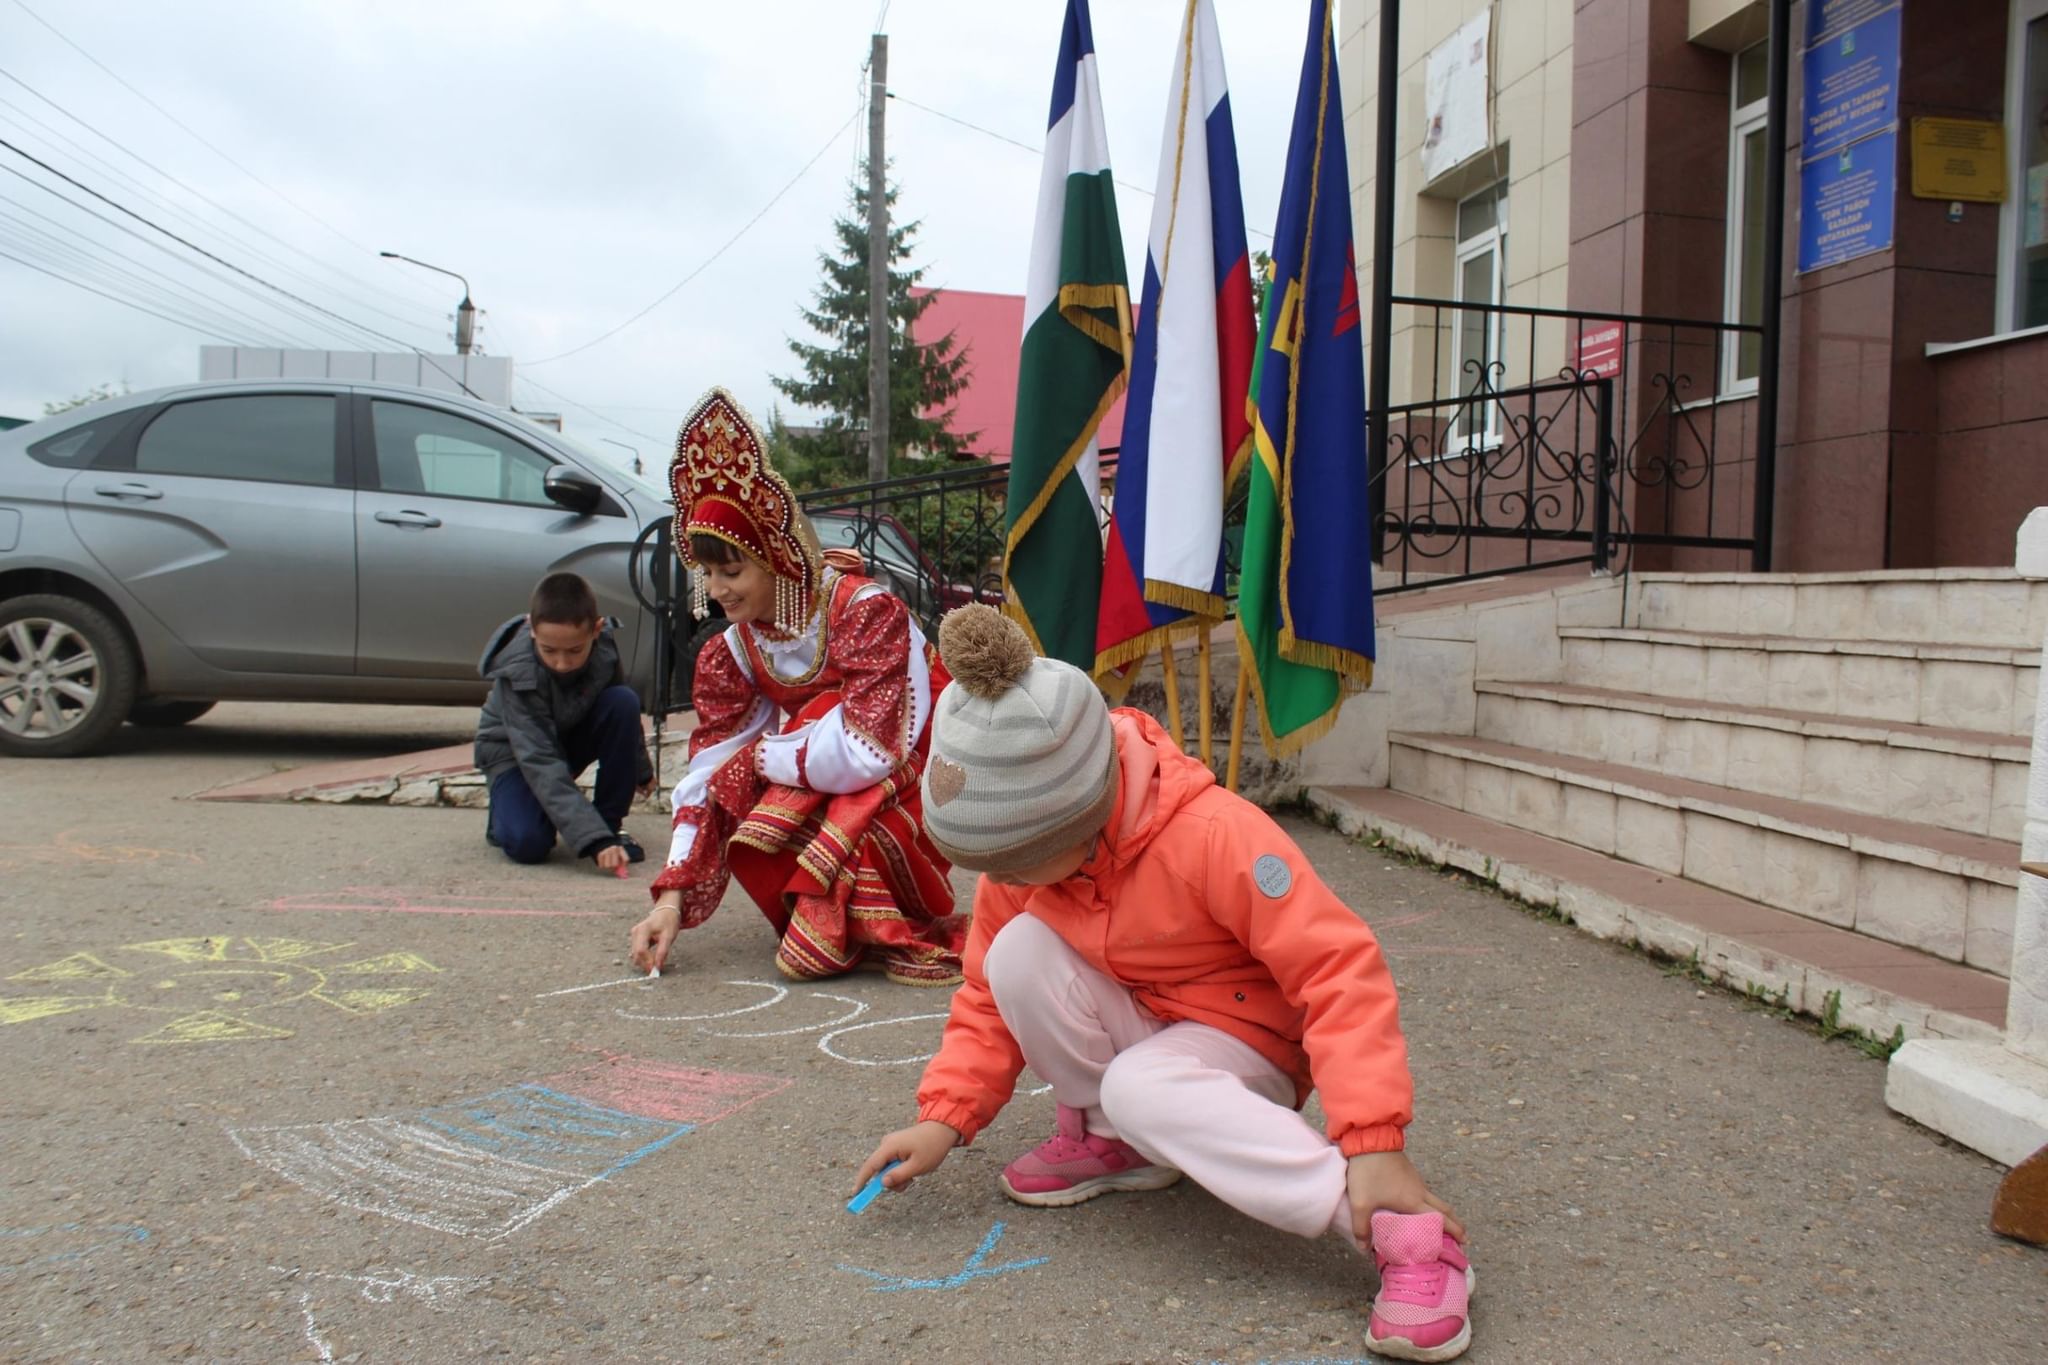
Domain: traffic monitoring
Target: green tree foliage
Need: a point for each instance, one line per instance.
(834, 378)
(98, 393)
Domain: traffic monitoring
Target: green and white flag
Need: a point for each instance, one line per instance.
(1076, 360)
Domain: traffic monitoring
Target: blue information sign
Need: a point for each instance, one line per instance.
(1846, 199)
(1825, 17)
(1852, 82)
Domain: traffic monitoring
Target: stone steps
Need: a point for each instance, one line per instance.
(1966, 606)
(1815, 969)
(1980, 687)
(1944, 893)
(1964, 780)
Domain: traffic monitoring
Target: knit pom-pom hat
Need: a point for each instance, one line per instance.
(1022, 765)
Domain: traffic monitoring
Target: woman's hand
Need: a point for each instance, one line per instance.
(653, 935)
(917, 1149)
(1389, 1180)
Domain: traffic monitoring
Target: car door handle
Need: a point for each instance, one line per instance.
(420, 519)
(141, 492)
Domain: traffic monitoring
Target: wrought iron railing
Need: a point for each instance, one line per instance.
(1544, 438)
(1540, 439)
(937, 539)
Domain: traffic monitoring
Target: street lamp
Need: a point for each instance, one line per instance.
(637, 467)
(465, 312)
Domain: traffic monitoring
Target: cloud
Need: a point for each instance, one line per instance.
(573, 161)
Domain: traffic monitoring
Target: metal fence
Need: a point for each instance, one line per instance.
(1545, 438)
(1540, 439)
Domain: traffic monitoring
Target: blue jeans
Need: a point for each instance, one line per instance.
(610, 736)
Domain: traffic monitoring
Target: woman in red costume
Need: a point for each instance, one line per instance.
(813, 717)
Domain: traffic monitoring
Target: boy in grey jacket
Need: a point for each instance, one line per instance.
(559, 702)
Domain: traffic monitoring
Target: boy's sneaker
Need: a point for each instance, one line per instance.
(1074, 1165)
(1425, 1289)
(634, 853)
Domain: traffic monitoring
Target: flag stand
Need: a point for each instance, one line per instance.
(1244, 681)
(1172, 672)
(1204, 723)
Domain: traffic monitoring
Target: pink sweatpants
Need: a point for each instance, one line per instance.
(1185, 1095)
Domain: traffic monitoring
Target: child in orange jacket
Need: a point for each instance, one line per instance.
(1163, 954)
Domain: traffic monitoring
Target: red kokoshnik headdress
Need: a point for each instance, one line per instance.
(723, 487)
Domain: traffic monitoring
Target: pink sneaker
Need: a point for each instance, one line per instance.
(1073, 1166)
(1425, 1287)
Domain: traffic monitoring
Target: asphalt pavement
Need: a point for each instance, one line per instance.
(306, 1082)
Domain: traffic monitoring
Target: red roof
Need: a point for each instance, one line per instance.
(990, 329)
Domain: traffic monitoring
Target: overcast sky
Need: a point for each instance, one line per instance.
(574, 161)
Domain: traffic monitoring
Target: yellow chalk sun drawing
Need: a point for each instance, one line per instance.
(213, 987)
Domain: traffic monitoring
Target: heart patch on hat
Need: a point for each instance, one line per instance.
(946, 780)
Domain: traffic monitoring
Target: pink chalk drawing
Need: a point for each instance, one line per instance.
(489, 1165)
(396, 901)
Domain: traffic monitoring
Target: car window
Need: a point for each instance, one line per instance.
(425, 450)
(270, 438)
(76, 448)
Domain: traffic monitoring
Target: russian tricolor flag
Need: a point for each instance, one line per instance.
(1185, 425)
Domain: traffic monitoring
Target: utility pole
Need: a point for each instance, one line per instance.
(878, 263)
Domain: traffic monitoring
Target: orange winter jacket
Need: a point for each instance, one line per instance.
(1183, 901)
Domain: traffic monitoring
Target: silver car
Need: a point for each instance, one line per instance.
(287, 540)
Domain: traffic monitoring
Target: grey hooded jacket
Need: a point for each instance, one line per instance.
(523, 720)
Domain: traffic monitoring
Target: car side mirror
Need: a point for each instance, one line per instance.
(573, 489)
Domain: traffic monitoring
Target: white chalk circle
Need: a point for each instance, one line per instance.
(779, 994)
(860, 1007)
(825, 1043)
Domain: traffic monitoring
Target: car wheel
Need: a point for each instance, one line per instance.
(67, 677)
(162, 715)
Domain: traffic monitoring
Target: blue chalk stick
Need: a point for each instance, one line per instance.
(869, 1191)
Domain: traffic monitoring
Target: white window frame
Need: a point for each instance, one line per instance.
(1743, 121)
(1493, 240)
(2024, 13)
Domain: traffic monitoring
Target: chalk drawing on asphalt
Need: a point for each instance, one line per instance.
(490, 1165)
(974, 1269)
(54, 1244)
(833, 1029)
(68, 850)
(438, 1292)
(321, 1349)
(213, 988)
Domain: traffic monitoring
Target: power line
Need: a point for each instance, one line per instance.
(565, 398)
(1025, 146)
(709, 260)
(125, 303)
(280, 194)
(159, 246)
(141, 160)
(190, 245)
(72, 244)
(274, 288)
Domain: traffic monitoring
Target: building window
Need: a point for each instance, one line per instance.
(2025, 288)
(1481, 277)
(1741, 360)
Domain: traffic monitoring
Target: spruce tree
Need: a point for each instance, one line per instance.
(922, 378)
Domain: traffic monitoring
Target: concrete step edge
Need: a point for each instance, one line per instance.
(1812, 724)
(1405, 820)
(1638, 784)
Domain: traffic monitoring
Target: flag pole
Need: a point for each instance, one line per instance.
(1244, 683)
(1172, 671)
(1203, 722)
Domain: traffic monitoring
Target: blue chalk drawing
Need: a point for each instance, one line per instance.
(122, 1232)
(482, 1167)
(973, 1270)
